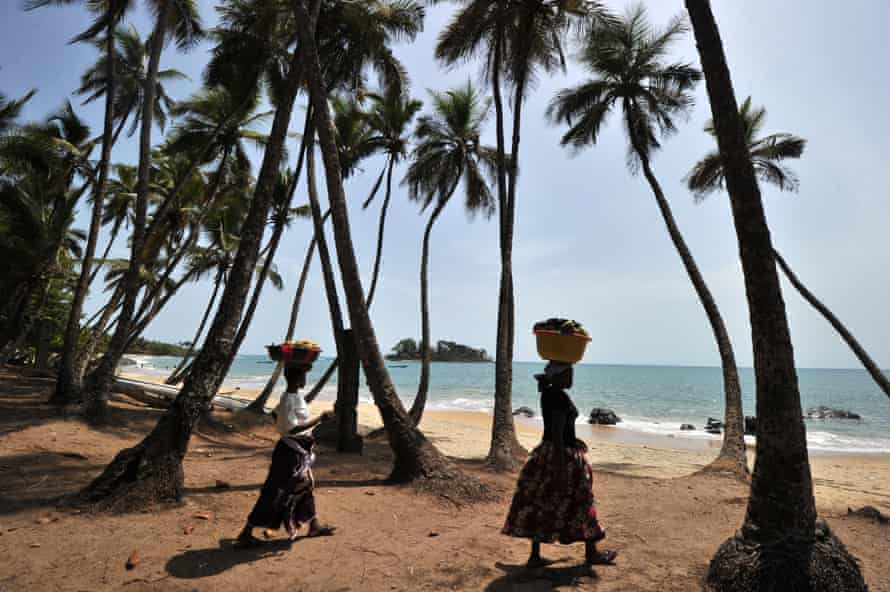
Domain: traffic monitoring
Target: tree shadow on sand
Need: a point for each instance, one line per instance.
(201, 563)
(520, 578)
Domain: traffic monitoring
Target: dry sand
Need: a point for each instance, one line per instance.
(664, 520)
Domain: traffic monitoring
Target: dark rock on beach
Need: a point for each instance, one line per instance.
(823, 412)
(750, 426)
(687, 427)
(600, 416)
(524, 411)
(714, 426)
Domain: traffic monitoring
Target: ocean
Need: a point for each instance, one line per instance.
(653, 400)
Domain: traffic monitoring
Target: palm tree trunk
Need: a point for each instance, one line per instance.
(68, 384)
(870, 365)
(258, 405)
(88, 348)
(152, 470)
(415, 457)
(733, 457)
(176, 376)
(95, 272)
(344, 387)
(100, 379)
(506, 453)
(423, 388)
(272, 249)
(378, 257)
(779, 541)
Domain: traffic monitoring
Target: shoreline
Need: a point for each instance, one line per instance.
(840, 479)
(630, 431)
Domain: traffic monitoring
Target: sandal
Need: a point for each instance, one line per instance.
(321, 531)
(604, 557)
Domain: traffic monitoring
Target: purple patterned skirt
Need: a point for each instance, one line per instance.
(552, 510)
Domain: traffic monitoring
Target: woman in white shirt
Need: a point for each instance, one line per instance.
(287, 497)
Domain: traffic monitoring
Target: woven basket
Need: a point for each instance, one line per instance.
(561, 347)
(290, 354)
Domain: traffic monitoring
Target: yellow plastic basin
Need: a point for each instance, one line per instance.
(561, 347)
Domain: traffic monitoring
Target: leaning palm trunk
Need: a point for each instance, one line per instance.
(98, 267)
(378, 256)
(100, 379)
(88, 347)
(732, 457)
(780, 545)
(68, 382)
(258, 405)
(423, 388)
(152, 470)
(870, 365)
(272, 248)
(177, 375)
(347, 390)
(415, 457)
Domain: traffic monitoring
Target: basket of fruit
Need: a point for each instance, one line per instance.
(295, 352)
(561, 340)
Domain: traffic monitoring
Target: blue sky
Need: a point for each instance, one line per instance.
(590, 243)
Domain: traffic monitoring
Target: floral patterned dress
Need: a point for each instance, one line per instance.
(549, 506)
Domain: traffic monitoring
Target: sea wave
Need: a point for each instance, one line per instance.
(816, 440)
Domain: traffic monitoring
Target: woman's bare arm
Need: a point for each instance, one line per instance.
(325, 416)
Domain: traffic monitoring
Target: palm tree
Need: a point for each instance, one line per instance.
(11, 110)
(130, 61)
(355, 38)
(38, 204)
(180, 19)
(780, 540)
(262, 27)
(448, 150)
(517, 40)
(628, 61)
(389, 117)
(767, 154)
(415, 457)
(107, 16)
(118, 210)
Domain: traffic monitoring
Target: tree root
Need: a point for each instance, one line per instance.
(820, 565)
(509, 456)
(133, 481)
(728, 466)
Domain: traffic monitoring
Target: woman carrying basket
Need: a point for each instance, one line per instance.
(287, 497)
(554, 495)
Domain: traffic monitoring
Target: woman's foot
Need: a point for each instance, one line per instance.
(538, 562)
(317, 529)
(604, 557)
(247, 541)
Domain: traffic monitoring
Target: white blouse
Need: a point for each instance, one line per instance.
(292, 411)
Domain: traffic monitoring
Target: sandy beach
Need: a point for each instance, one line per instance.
(663, 519)
(841, 480)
